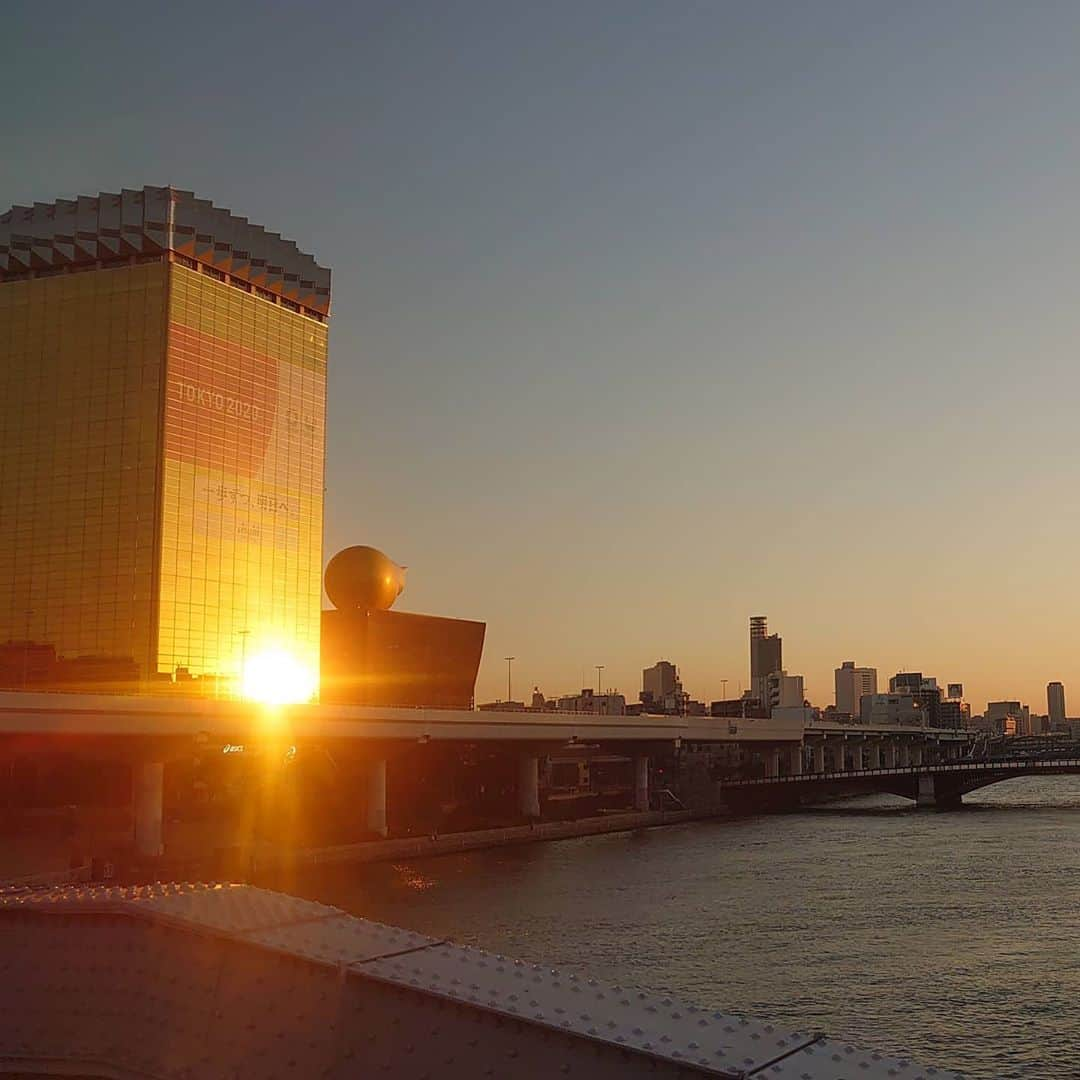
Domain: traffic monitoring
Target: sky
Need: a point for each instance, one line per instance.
(649, 317)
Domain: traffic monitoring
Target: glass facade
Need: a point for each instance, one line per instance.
(80, 446)
(242, 482)
(162, 435)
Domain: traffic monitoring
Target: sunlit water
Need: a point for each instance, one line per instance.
(952, 937)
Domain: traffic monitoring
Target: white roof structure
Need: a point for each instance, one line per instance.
(661, 1035)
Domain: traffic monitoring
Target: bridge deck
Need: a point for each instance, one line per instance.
(168, 715)
(1018, 766)
(209, 981)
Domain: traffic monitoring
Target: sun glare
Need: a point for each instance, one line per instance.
(276, 677)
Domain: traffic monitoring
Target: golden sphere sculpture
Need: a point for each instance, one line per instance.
(363, 578)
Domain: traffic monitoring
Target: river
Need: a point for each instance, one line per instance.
(951, 937)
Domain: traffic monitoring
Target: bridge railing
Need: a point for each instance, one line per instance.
(988, 765)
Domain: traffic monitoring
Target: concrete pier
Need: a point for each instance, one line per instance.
(936, 793)
(873, 753)
(854, 749)
(529, 786)
(835, 754)
(147, 804)
(376, 797)
(641, 783)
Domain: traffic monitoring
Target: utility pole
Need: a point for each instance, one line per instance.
(243, 657)
(509, 661)
(26, 647)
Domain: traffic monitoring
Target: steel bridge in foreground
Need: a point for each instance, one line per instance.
(942, 785)
(220, 982)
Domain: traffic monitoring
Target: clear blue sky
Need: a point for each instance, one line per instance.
(649, 316)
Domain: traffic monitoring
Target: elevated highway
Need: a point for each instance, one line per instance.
(148, 732)
(170, 716)
(176, 717)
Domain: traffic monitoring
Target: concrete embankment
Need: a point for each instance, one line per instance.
(244, 861)
(415, 847)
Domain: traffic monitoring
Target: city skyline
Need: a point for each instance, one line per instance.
(730, 687)
(735, 322)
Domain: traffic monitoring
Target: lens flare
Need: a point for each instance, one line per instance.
(276, 677)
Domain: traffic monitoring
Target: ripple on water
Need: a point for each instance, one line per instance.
(946, 936)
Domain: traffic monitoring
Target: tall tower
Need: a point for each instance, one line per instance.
(766, 655)
(1055, 704)
(162, 432)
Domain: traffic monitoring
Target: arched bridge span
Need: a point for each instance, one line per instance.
(940, 785)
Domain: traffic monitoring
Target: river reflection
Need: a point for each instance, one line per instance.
(947, 936)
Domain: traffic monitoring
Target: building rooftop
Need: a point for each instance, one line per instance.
(95, 230)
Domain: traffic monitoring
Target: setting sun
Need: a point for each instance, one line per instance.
(276, 677)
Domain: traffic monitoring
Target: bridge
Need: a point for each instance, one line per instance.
(377, 758)
(165, 982)
(941, 785)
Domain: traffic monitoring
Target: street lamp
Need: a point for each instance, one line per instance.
(509, 661)
(243, 635)
(26, 648)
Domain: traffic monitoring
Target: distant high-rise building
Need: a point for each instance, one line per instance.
(660, 680)
(953, 713)
(908, 682)
(923, 687)
(893, 708)
(766, 656)
(783, 690)
(851, 684)
(1008, 718)
(661, 690)
(1055, 705)
(609, 704)
(162, 433)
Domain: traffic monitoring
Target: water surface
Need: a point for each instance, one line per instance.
(951, 937)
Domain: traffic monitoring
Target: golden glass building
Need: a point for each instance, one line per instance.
(162, 434)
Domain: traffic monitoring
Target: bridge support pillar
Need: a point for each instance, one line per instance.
(641, 783)
(147, 803)
(529, 786)
(797, 760)
(873, 753)
(917, 754)
(888, 753)
(927, 795)
(934, 793)
(854, 747)
(835, 750)
(903, 755)
(772, 764)
(819, 756)
(376, 797)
